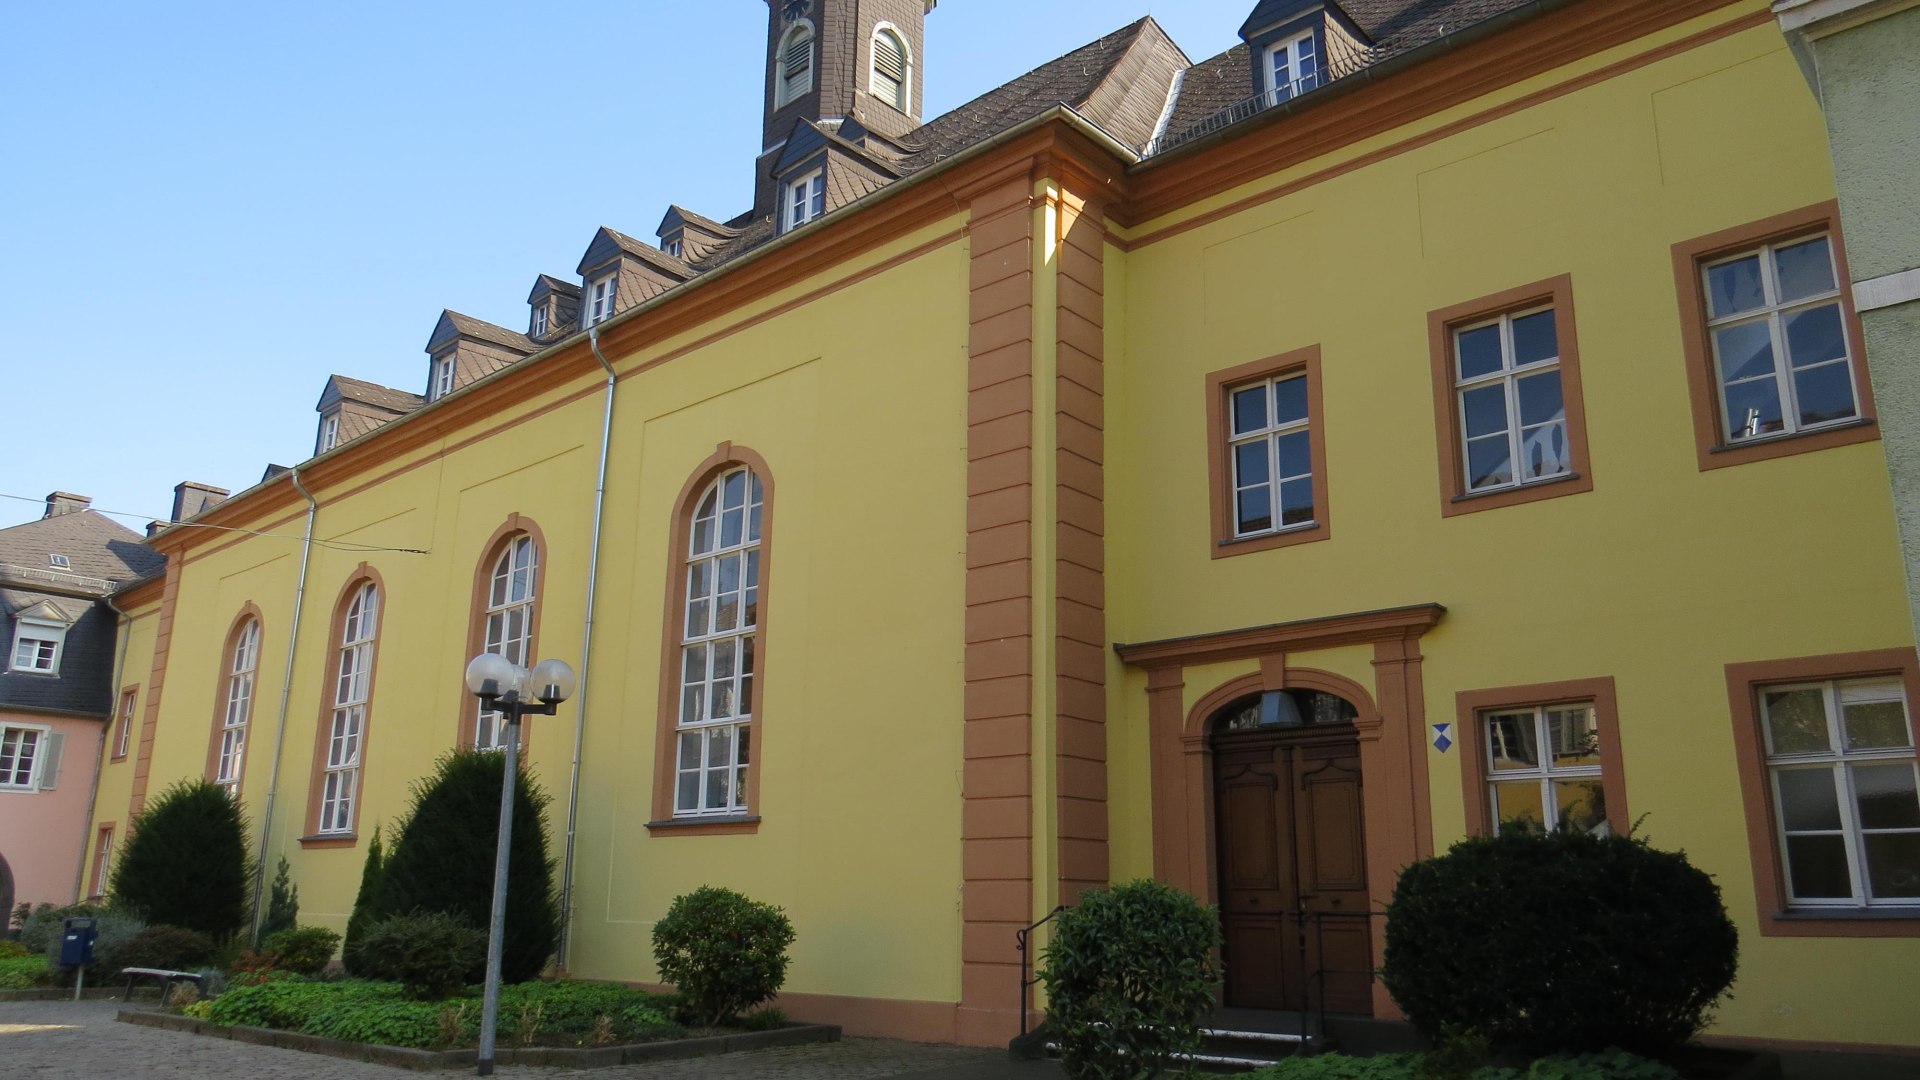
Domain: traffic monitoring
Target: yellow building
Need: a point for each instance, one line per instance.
(1255, 473)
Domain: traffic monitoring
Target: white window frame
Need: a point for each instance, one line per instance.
(513, 590)
(443, 374)
(804, 199)
(1775, 312)
(539, 320)
(49, 641)
(675, 247)
(1301, 52)
(329, 432)
(352, 692)
(904, 101)
(787, 88)
(1840, 762)
(12, 737)
(1271, 435)
(1546, 772)
(237, 715)
(715, 707)
(59, 562)
(1520, 436)
(128, 701)
(102, 859)
(601, 293)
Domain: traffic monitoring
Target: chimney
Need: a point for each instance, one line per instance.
(190, 498)
(155, 528)
(65, 502)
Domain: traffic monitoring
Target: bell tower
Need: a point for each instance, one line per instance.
(833, 60)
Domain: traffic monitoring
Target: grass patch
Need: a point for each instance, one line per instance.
(22, 972)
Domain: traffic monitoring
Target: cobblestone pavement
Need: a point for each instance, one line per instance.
(61, 1039)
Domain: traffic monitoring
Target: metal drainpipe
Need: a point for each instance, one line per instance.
(106, 734)
(286, 698)
(586, 660)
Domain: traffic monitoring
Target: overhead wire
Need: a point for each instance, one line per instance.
(336, 545)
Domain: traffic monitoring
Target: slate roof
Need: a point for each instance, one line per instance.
(83, 685)
(96, 546)
(452, 323)
(380, 397)
(597, 254)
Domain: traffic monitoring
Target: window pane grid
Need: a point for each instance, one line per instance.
(1512, 412)
(18, 748)
(239, 709)
(1774, 381)
(509, 627)
(1544, 767)
(717, 648)
(1848, 817)
(1271, 456)
(351, 691)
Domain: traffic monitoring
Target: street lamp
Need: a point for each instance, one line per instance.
(502, 686)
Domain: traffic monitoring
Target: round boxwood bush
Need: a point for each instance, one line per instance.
(431, 954)
(1559, 942)
(186, 862)
(174, 948)
(723, 952)
(1128, 974)
(303, 949)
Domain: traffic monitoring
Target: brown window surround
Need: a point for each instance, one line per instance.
(1769, 877)
(1703, 382)
(513, 528)
(1470, 705)
(248, 614)
(1220, 494)
(362, 575)
(666, 756)
(102, 842)
(124, 717)
(1441, 324)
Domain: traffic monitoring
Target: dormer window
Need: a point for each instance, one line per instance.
(329, 433)
(36, 647)
(793, 73)
(675, 247)
(540, 321)
(442, 377)
(888, 79)
(806, 199)
(1293, 66)
(600, 300)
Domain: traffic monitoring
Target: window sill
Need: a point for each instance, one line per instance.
(1842, 922)
(330, 840)
(706, 826)
(1785, 444)
(1528, 486)
(1864, 914)
(1227, 546)
(1567, 483)
(1789, 436)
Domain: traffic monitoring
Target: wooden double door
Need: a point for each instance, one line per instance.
(1291, 853)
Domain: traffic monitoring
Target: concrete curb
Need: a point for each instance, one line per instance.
(598, 1057)
(54, 993)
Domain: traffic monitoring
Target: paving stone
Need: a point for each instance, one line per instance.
(59, 1040)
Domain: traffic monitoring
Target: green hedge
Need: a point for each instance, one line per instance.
(357, 1010)
(22, 972)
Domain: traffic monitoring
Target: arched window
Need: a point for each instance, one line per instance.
(512, 591)
(719, 622)
(890, 78)
(793, 65)
(344, 729)
(241, 664)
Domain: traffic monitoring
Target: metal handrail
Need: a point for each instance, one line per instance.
(1320, 969)
(1020, 938)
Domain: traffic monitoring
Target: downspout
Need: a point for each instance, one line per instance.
(286, 699)
(106, 735)
(586, 659)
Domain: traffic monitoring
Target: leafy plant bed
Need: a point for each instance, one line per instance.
(564, 1057)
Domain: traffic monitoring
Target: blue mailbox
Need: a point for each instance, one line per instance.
(76, 944)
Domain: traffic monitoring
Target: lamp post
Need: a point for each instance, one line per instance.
(503, 686)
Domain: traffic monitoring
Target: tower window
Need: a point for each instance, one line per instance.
(806, 199)
(793, 76)
(889, 78)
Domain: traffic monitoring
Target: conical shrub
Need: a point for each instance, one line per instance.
(185, 863)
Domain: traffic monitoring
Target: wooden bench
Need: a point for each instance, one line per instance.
(167, 979)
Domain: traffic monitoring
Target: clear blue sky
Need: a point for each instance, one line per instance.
(207, 208)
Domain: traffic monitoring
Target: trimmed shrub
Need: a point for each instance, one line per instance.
(42, 928)
(302, 949)
(10, 950)
(1559, 942)
(431, 954)
(723, 952)
(283, 903)
(1128, 973)
(363, 914)
(22, 972)
(442, 860)
(114, 933)
(175, 948)
(186, 861)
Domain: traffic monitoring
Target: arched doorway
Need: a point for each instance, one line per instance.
(1291, 852)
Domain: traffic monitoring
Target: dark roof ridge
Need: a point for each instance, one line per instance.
(480, 330)
(698, 221)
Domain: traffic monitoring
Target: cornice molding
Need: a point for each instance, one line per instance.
(1363, 627)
